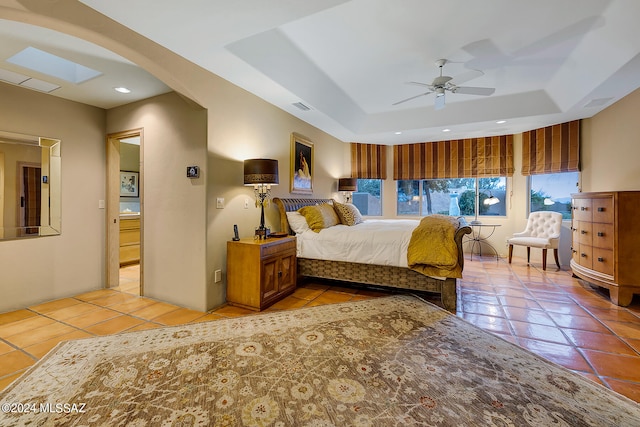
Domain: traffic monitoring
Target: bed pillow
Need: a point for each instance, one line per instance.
(297, 222)
(348, 213)
(320, 216)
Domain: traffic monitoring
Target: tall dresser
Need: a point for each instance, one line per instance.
(606, 242)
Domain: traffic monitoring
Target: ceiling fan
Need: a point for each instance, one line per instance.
(441, 84)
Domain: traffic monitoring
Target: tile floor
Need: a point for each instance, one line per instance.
(550, 313)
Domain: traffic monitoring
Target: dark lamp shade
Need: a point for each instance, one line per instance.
(260, 171)
(347, 184)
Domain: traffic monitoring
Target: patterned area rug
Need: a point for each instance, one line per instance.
(391, 361)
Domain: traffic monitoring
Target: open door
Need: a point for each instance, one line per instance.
(113, 213)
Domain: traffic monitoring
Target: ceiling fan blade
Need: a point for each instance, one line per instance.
(420, 84)
(413, 97)
(469, 90)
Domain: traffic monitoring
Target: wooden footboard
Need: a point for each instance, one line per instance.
(380, 275)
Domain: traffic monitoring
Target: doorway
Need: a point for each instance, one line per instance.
(125, 211)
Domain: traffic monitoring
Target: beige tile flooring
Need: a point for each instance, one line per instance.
(549, 313)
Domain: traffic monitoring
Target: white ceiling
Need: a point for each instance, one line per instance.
(550, 61)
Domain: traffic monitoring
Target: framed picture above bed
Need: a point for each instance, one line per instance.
(301, 164)
(129, 184)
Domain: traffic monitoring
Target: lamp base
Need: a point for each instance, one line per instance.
(262, 233)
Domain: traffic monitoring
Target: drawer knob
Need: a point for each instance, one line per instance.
(600, 209)
(583, 255)
(600, 234)
(583, 231)
(582, 208)
(573, 229)
(600, 259)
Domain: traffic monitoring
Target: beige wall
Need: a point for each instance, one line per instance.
(173, 206)
(41, 269)
(611, 147)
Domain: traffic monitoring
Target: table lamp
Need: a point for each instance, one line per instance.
(347, 186)
(262, 174)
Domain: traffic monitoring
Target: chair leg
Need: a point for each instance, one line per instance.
(528, 254)
(544, 259)
(510, 253)
(555, 255)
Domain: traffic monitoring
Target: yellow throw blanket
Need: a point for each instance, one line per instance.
(432, 249)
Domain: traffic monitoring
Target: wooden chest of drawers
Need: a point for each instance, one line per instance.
(605, 239)
(260, 272)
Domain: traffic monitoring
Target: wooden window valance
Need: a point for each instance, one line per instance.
(368, 161)
(551, 149)
(460, 158)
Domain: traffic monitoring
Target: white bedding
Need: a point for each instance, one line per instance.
(375, 241)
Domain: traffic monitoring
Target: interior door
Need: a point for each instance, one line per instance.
(113, 207)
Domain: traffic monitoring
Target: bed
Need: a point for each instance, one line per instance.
(371, 272)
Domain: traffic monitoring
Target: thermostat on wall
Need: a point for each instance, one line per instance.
(193, 172)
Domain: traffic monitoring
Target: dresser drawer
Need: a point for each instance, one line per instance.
(582, 210)
(602, 236)
(584, 255)
(602, 261)
(584, 232)
(602, 210)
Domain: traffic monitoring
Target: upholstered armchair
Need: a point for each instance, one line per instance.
(543, 231)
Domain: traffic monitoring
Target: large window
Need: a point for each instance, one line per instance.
(552, 192)
(368, 197)
(460, 196)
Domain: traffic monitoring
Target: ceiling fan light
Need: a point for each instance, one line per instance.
(439, 91)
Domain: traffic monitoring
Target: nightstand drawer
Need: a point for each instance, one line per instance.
(277, 247)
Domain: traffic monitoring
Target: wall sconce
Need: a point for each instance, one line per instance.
(347, 186)
(262, 174)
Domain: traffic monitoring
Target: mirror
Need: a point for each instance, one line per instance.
(30, 177)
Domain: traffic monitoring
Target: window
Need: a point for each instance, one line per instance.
(368, 197)
(452, 196)
(552, 192)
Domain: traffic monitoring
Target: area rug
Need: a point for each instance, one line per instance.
(392, 361)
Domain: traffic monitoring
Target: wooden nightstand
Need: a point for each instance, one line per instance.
(260, 272)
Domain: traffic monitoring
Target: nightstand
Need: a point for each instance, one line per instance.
(260, 272)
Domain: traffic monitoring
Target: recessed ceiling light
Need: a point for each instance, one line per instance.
(501, 122)
(398, 133)
(446, 130)
(122, 89)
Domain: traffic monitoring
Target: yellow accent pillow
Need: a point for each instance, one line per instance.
(320, 216)
(348, 213)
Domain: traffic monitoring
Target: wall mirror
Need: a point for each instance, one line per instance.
(30, 176)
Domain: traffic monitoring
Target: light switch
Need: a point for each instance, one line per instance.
(220, 203)
(246, 203)
(100, 204)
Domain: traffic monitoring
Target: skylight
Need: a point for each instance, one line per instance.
(52, 65)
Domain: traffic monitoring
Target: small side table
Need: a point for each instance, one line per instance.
(260, 272)
(477, 238)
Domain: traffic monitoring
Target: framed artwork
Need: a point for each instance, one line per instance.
(301, 164)
(129, 184)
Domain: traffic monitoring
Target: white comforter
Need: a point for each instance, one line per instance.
(375, 241)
